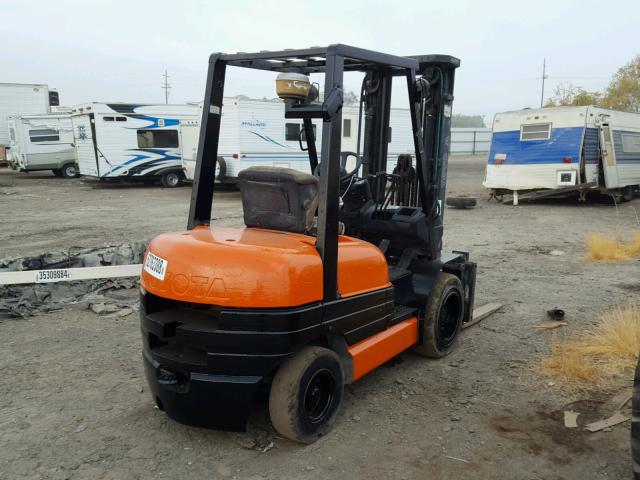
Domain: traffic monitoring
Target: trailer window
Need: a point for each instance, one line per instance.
(44, 135)
(346, 128)
(114, 119)
(157, 138)
(291, 131)
(304, 136)
(536, 131)
(630, 143)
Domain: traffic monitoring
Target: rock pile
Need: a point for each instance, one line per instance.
(118, 296)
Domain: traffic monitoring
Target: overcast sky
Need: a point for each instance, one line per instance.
(117, 50)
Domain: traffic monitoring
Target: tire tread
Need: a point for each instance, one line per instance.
(283, 398)
(428, 347)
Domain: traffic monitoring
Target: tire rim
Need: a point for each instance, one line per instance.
(449, 319)
(172, 179)
(319, 396)
(70, 171)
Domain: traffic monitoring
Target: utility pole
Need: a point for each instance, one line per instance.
(544, 77)
(166, 87)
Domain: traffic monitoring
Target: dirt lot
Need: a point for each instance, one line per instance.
(74, 403)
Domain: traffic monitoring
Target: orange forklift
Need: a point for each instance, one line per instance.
(336, 271)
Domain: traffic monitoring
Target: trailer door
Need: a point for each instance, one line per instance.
(189, 137)
(84, 140)
(609, 166)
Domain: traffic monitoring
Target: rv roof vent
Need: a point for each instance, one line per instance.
(54, 98)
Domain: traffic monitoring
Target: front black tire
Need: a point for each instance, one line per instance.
(171, 179)
(442, 317)
(306, 394)
(69, 170)
(635, 424)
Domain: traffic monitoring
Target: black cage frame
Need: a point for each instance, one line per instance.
(333, 61)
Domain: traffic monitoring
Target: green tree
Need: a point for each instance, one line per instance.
(467, 121)
(584, 98)
(623, 93)
(350, 98)
(566, 94)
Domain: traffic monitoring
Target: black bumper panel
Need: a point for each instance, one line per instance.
(204, 364)
(210, 401)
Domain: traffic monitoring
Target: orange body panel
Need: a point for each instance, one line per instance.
(383, 346)
(257, 268)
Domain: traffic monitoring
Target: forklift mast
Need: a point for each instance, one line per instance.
(430, 98)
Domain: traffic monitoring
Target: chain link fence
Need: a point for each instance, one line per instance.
(470, 141)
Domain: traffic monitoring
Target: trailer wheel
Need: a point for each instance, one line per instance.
(442, 317)
(170, 179)
(635, 424)
(69, 170)
(57, 172)
(306, 393)
(221, 170)
(626, 193)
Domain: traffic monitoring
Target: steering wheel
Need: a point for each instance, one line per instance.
(344, 175)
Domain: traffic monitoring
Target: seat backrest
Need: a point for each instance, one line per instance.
(278, 198)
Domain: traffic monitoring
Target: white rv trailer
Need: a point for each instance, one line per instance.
(255, 132)
(564, 149)
(23, 99)
(130, 141)
(43, 142)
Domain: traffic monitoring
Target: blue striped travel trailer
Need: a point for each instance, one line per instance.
(564, 150)
(126, 141)
(256, 133)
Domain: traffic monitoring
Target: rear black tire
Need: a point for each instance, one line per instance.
(635, 424)
(461, 202)
(306, 394)
(442, 317)
(69, 170)
(57, 172)
(171, 179)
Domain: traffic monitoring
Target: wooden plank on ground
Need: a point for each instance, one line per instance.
(69, 274)
(614, 419)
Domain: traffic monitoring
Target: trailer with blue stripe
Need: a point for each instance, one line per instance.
(564, 150)
(255, 132)
(130, 141)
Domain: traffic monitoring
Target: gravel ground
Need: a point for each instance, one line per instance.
(74, 403)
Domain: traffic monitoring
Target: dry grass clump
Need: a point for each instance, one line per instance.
(600, 356)
(608, 248)
(633, 247)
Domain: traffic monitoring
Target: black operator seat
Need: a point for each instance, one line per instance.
(278, 198)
